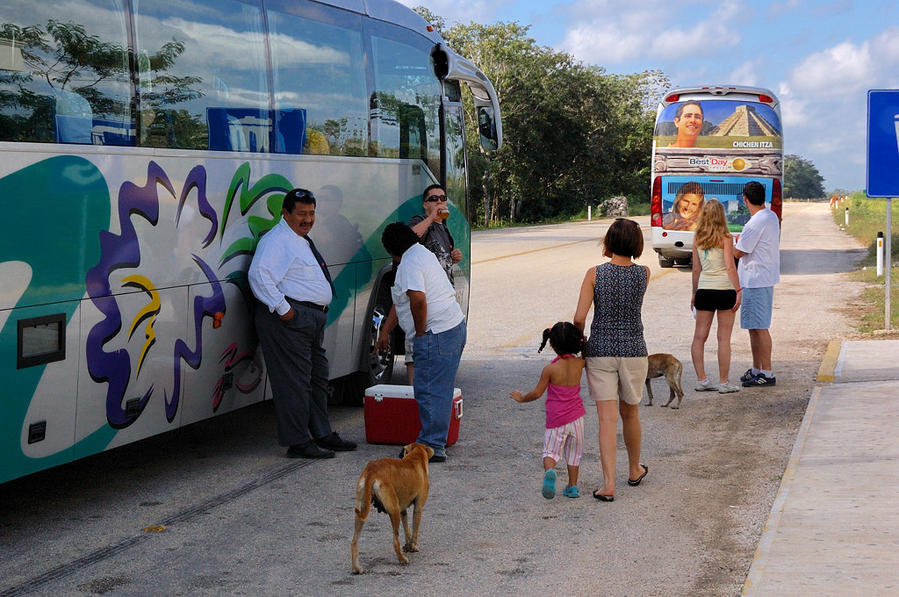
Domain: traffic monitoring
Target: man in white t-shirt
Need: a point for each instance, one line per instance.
(426, 308)
(758, 248)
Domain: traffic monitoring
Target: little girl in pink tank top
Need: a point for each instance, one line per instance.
(561, 380)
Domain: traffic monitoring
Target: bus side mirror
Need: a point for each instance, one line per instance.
(487, 129)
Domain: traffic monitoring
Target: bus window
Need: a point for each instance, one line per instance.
(211, 74)
(318, 67)
(404, 78)
(46, 95)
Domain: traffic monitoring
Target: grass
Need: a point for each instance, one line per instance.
(867, 217)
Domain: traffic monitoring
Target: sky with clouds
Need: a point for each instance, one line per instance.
(818, 56)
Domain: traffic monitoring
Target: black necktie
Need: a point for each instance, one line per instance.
(322, 264)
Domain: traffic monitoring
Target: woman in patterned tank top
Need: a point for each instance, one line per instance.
(616, 352)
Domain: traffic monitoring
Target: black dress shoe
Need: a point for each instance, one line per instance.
(437, 458)
(334, 442)
(309, 450)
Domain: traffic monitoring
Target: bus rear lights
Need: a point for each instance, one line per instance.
(766, 99)
(430, 28)
(664, 234)
(655, 203)
(672, 98)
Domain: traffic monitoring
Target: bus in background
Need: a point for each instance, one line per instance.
(147, 146)
(708, 142)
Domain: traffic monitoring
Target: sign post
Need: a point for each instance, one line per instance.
(889, 250)
(883, 168)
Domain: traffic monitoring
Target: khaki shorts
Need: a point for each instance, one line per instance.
(610, 378)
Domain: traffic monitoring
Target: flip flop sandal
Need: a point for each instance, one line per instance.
(635, 482)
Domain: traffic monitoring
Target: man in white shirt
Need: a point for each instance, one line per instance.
(758, 248)
(291, 282)
(434, 234)
(426, 302)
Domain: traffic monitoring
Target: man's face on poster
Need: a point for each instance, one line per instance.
(689, 124)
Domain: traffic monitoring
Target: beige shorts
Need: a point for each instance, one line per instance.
(610, 378)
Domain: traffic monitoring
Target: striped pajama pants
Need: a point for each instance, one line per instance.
(567, 441)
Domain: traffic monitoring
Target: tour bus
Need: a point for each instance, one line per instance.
(708, 142)
(146, 147)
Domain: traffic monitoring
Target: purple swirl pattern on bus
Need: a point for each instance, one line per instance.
(196, 179)
(203, 307)
(119, 251)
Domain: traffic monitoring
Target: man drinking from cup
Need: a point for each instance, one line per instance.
(435, 236)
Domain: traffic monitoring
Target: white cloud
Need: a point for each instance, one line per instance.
(654, 30)
(833, 82)
(603, 44)
(838, 70)
(462, 11)
(747, 73)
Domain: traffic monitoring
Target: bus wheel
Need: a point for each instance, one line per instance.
(665, 262)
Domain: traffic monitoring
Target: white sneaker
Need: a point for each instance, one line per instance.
(728, 388)
(705, 386)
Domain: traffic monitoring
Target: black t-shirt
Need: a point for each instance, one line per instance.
(438, 241)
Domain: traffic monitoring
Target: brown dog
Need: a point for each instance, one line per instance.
(392, 486)
(665, 364)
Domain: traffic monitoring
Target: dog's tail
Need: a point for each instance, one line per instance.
(680, 369)
(363, 496)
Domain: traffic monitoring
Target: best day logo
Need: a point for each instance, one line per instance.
(720, 164)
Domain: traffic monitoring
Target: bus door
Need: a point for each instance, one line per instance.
(454, 177)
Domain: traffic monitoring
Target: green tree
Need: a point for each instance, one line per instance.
(66, 57)
(437, 21)
(802, 179)
(573, 134)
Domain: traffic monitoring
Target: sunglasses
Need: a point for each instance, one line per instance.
(300, 195)
(435, 198)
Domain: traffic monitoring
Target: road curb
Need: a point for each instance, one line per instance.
(829, 362)
(760, 559)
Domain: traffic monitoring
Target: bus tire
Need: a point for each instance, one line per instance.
(665, 261)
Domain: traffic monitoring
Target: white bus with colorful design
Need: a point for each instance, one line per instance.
(146, 146)
(709, 142)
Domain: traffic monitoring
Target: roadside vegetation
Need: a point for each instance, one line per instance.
(867, 217)
(574, 134)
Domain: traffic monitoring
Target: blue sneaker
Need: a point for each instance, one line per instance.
(747, 376)
(760, 380)
(571, 492)
(549, 484)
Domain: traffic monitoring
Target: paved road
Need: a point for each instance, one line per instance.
(241, 519)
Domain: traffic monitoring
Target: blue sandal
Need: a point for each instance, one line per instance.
(571, 492)
(549, 484)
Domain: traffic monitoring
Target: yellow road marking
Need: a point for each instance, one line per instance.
(829, 362)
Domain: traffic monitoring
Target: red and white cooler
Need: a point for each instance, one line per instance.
(391, 415)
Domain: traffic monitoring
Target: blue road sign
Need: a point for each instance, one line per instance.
(883, 143)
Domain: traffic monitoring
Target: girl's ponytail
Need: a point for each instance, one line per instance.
(546, 333)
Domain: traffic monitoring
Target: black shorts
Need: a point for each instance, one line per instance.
(715, 300)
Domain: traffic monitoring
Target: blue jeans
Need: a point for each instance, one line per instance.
(437, 359)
